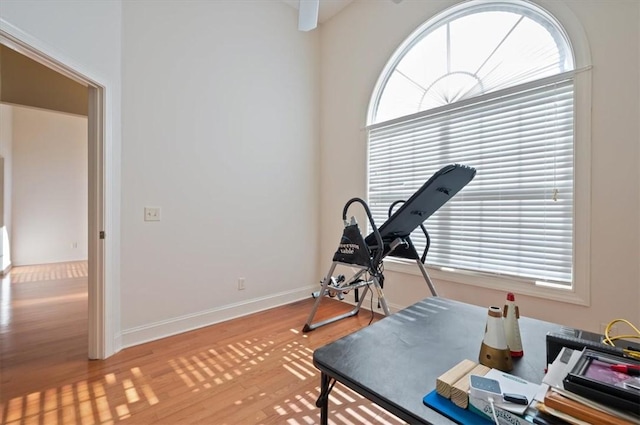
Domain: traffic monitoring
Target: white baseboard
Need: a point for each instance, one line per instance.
(189, 322)
(117, 343)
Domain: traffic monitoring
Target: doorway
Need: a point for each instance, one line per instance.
(97, 322)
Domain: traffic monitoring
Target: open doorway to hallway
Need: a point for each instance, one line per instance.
(44, 146)
(88, 245)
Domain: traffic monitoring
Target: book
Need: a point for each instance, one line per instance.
(539, 417)
(635, 419)
(581, 411)
(560, 415)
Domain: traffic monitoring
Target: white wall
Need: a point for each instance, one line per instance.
(49, 193)
(85, 36)
(355, 47)
(6, 151)
(220, 130)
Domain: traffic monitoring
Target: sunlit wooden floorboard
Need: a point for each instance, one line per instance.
(253, 370)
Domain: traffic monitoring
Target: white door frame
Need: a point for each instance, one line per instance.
(99, 347)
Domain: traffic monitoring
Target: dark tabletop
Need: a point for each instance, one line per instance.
(395, 362)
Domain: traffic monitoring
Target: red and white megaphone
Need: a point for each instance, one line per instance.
(511, 328)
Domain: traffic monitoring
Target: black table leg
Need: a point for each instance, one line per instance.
(324, 401)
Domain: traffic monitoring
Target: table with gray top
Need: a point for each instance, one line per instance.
(395, 362)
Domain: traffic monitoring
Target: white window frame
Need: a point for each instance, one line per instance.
(579, 293)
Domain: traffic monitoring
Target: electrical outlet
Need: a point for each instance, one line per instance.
(151, 213)
(241, 284)
(74, 245)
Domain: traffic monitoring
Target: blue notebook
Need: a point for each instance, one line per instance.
(446, 407)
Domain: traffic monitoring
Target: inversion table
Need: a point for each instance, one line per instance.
(365, 255)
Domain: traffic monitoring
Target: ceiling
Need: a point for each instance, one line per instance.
(328, 8)
(25, 82)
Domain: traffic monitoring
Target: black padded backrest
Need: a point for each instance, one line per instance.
(441, 187)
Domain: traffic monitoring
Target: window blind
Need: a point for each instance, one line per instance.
(516, 217)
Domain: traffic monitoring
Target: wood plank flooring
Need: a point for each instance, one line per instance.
(252, 370)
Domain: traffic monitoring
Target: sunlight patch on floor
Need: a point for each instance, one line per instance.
(99, 402)
(44, 272)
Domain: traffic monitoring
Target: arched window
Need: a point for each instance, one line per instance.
(489, 85)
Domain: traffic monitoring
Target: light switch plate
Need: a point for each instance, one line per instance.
(151, 213)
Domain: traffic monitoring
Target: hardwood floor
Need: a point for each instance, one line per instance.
(252, 370)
